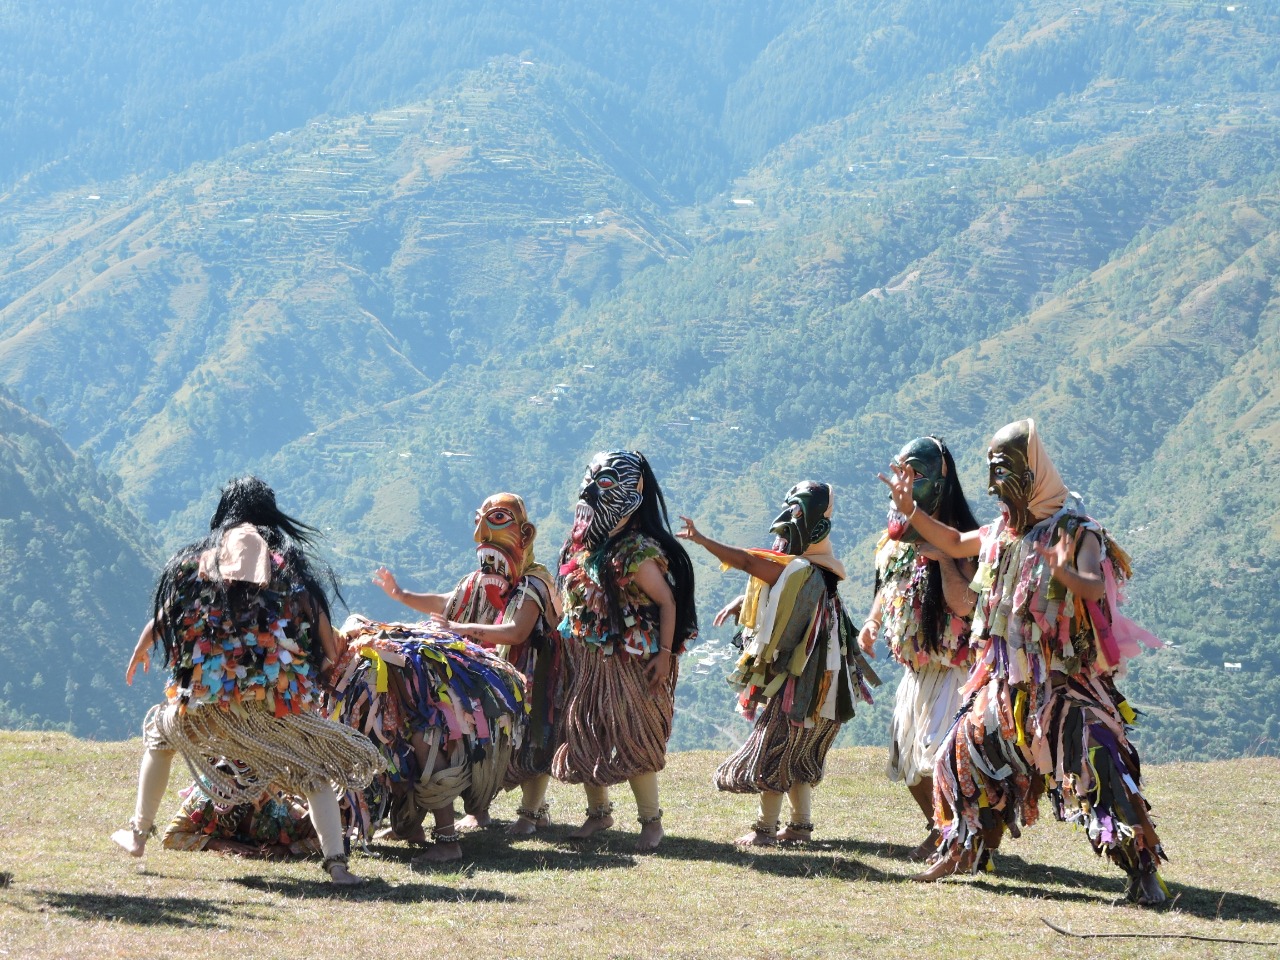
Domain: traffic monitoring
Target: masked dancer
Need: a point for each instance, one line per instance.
(510, 603)
(800, 660)
(243, 619)
(921, 608)
(627, 589)
(446, 713)
(1042, 705)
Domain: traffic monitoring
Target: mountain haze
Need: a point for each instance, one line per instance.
(453, 249)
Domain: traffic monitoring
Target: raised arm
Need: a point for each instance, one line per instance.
(735, 557)
(428, 603)
(947, 539)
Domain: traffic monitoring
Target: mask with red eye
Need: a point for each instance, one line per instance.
(504, 542)
(611, 491)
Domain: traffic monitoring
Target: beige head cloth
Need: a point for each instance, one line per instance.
(1048, 492)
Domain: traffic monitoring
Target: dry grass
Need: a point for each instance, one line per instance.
(73, 895)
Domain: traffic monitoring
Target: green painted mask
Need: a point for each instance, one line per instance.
(924, 456)
(803, 520)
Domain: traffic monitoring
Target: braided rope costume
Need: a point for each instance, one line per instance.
(616, 729)
(243, 685)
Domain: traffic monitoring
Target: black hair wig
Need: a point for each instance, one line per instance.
(954, 511)
(249, 500)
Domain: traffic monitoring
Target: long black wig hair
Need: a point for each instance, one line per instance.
(248, 500)
(650, 519)
(954, 511)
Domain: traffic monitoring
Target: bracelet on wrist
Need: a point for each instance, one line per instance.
(914, 507)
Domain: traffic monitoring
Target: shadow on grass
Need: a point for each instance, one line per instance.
(373, 889)
(147, 911)
(490, 850)
(1045, 882)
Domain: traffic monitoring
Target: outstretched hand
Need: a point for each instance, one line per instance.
(1057, 556)
(387, 581)
(141, 656)
(690, 532)
(731, 609)
(900, 487)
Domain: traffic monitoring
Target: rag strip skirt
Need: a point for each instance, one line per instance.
(615, 729)
(1096, 772)
(1004, 750)
(297, 753)
(927, 702)
(546, 669)
(777, 754)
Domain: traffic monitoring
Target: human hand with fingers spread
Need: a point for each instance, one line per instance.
(731, 609)
(900, 487)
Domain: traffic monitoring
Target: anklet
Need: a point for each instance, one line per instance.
(327, 865)
(761, 827)
(444, 835)
(645, 821)
(599, 813)
(800, 827)
(541, 815)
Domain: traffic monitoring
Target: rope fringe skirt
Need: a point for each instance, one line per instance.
(298, 753)
(777, 754)
(615, 729)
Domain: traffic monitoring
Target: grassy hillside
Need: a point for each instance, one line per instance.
(74, 896)
(468, 276)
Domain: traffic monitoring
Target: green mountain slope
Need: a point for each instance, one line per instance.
(75, 565)
(943, 220)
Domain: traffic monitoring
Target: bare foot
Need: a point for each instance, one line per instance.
(790, 834)
(591, 826)
(651, 835)
(522, 827)
(927, 848)
(416, 836)
(439, 853)
(133, 842)
(756, 838)
(340, 876)
(946, 865)
(474, 821)
(1150, 893)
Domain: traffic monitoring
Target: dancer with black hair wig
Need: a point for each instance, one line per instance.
(243, 618)
(799, 659)
(921, 608)
(627, 588)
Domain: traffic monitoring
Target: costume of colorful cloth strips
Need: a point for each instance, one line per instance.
(586, 603)
(236, 641)
(395, 680)
(1026, 623)
(798, 644)
(903, 575)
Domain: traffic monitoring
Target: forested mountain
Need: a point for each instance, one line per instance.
(758, 245)
(74, 564)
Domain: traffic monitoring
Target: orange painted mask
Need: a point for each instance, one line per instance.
(504, 544)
